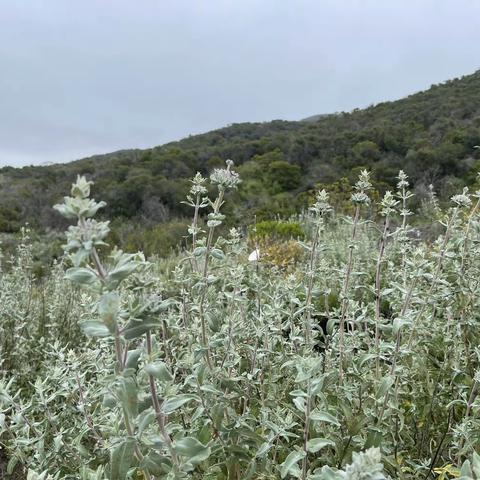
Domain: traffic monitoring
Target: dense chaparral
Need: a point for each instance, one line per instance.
(359, 360)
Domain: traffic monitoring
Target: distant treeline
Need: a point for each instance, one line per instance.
(431, 135)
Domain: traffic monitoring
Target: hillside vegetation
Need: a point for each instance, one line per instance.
(430, 135)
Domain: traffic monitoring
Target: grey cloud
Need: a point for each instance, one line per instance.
(93, 76)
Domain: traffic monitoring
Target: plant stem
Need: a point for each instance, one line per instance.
(205, 343)
(194, 227)
(378, 295)
(87, 416)
(308, 302)
(306, 431)
(159, 415)
(102, 273)
(346, 284)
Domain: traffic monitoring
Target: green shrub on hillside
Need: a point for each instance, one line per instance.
(277, 230)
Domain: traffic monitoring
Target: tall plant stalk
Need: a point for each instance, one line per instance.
(224, 179)
(388, 204)
(345, 289)
(359, 197)
(319, 210)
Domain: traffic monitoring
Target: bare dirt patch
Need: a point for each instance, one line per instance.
(17, 473)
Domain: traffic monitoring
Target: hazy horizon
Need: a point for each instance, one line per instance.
(95, 77)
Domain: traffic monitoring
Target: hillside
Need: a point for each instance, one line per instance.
(431, 135)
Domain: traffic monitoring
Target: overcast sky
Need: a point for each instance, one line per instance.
(79, 77)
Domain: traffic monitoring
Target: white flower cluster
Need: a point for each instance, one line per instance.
(388, 203)
(84, 237)
(196, 197)
(321, 205)
(402, 180)
(198, 187)
(79, 205)
(403, 193)
(463, 199)
(360, 197)
(362, 186)
(225, 178)
(365, 466)
(215, 219)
